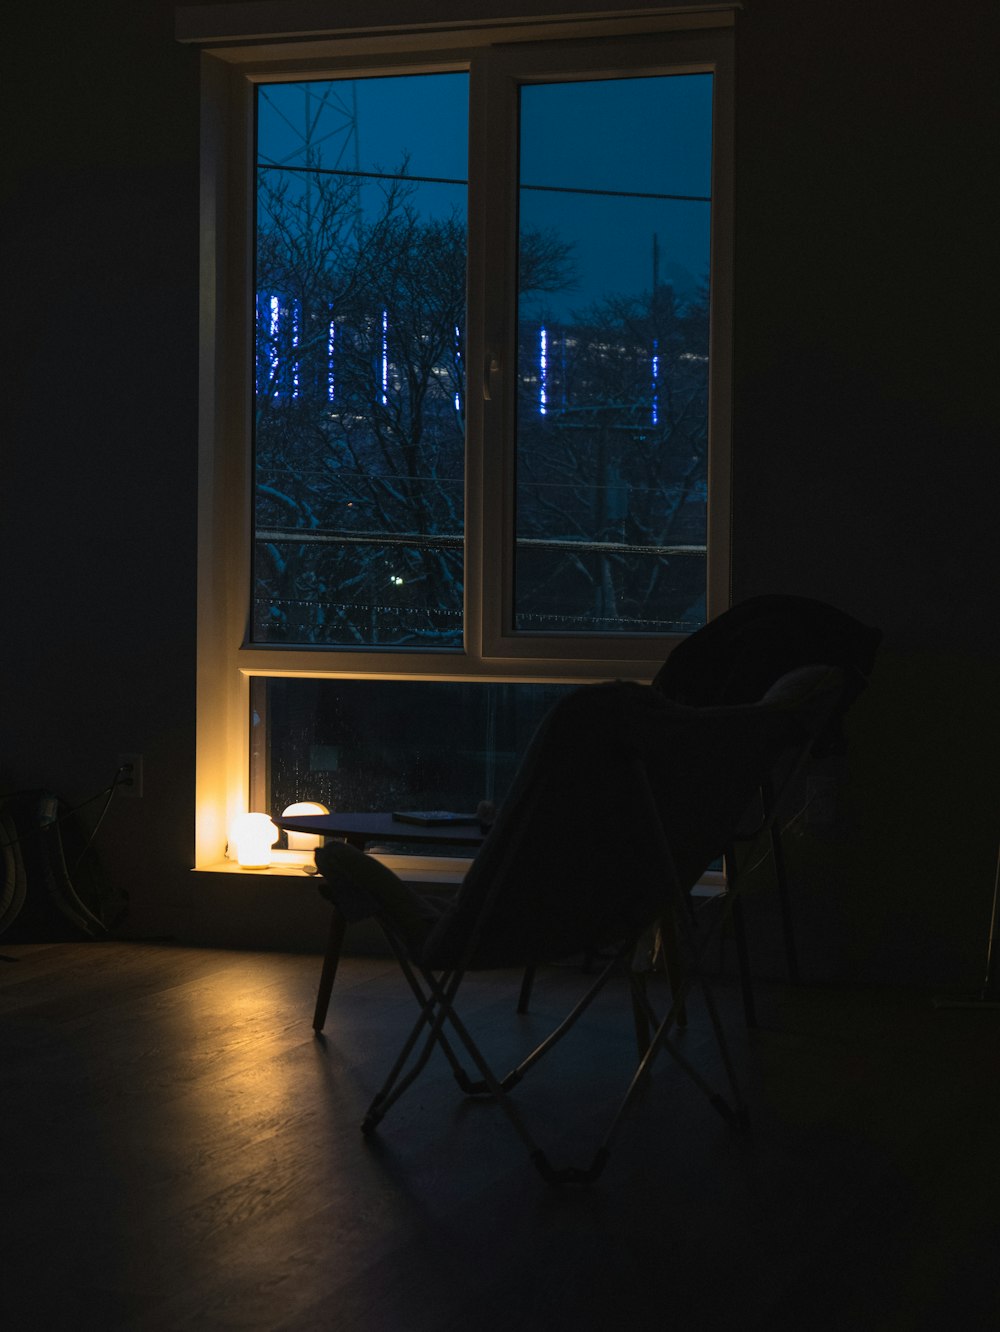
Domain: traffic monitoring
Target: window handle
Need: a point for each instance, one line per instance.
(491, 376)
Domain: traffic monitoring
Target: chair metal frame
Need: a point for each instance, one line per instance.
(438, 1020)
(507, 919)
(827, 634)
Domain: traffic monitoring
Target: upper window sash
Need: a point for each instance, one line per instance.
(498, 78)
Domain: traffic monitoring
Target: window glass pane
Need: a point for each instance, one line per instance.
(359, 374)
(612, 417)
(373, 746)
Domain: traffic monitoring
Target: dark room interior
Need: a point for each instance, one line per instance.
(183, 1152)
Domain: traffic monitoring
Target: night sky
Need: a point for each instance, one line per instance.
(617, 137)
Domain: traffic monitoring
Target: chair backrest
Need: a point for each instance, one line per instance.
(738, 656)
(571, 862)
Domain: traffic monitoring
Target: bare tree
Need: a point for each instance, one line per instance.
(612, 473)
(361, 392)
(360, 432)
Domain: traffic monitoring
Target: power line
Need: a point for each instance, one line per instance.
(449, 180)
(435, 541)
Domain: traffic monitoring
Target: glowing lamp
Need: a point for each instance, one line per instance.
(251, 838)
(300, 841)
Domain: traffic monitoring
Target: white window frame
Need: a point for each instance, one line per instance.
(647, 38)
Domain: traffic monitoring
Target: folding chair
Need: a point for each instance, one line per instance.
(621, 802)
(735, 659)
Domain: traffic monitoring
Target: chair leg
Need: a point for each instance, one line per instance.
(438, 1010)
(785, 903)
(335, 942)
(735, 1113)
(527, 981)
(740, 939)
(640, 1017)
(668, 952)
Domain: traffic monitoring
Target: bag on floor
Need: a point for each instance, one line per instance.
(52, 887)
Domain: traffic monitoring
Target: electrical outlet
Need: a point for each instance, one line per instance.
(130, 774)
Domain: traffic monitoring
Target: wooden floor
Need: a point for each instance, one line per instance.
(179, 1151)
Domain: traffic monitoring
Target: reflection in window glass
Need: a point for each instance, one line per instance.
(359, 374)
(612, 419)
(371, 746)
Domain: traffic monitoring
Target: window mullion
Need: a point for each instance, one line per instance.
(476, 481)
(493, 355)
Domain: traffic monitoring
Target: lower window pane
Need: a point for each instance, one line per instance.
(373, 746)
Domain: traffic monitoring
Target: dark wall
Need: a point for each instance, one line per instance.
(100, 262)
(865, 437)
(866, 394)
(865, 451)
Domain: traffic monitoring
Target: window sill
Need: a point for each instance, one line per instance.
(295, 869)
(270, 871)
(712, 884)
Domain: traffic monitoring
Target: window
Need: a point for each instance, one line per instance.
(465, 386)
(390, 744)
(360, 384)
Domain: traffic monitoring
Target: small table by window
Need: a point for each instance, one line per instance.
(360, 829)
